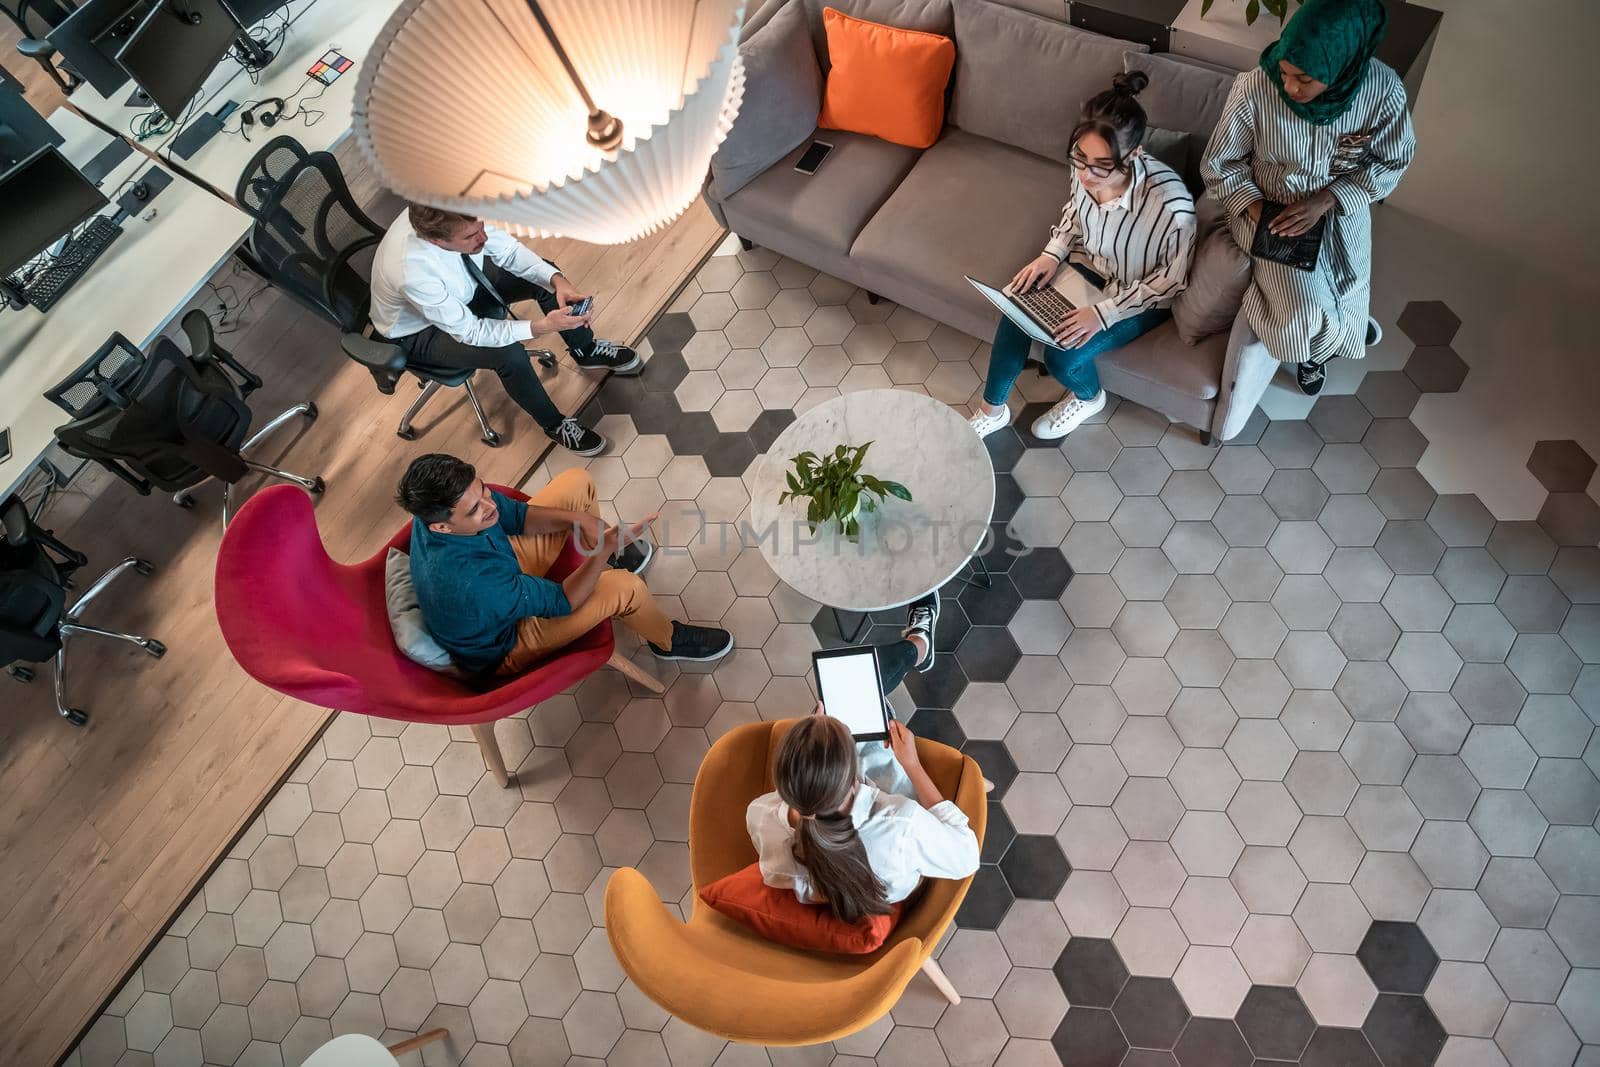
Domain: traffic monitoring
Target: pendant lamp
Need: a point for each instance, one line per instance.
(593, 119)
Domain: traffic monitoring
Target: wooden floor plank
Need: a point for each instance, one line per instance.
(104, 832)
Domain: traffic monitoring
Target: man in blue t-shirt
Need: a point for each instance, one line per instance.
(479, 559)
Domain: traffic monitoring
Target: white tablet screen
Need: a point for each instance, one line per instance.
(850, 693)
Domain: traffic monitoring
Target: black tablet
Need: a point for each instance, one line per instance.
(852, 690)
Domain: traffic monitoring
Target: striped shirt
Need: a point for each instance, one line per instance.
(1262, 150)
(1140, 243)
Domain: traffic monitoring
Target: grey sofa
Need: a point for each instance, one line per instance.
(907, 224)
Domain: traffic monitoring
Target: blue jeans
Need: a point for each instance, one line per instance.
(1072, 367)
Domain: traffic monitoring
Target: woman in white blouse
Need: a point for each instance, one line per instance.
(833, 837)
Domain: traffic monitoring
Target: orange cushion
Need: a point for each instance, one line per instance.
(885, 82)
(778, 915)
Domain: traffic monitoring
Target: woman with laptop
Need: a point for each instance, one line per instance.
(1129, 229)
(1307, 141)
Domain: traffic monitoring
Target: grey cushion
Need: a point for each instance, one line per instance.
(1180, 96)
(831, 206)
(930, 16)
(405, 616)
(1218, 277)
(970, 206)
(782, 94)
(1180, 151)
(1159, 371)
(1022, 80)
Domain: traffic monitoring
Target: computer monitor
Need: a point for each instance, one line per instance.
(41, 199)
(176, 47)
(90, 37)
(23, 131)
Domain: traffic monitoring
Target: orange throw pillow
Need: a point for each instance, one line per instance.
(885, 82)
(778, 916)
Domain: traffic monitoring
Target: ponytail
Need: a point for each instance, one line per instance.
(816, 771)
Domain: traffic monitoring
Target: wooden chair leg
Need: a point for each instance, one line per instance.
(492, 759)
(411, 1044)
(635, 672)
(931, 968)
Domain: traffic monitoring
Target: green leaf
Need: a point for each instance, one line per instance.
(896, 489)
(1252, 11)
(1205, 6)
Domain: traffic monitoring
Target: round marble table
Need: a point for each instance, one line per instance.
(906, 548)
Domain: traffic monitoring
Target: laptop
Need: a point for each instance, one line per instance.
(1040, 312)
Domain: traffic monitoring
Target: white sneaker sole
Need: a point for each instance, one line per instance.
(1044, 430)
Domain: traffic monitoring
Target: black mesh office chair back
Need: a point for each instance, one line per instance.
(159, 420)
(168, 420)
(35, 19)
(35, 618)
(311, 239)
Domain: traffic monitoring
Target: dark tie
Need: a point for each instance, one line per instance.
(476, 273)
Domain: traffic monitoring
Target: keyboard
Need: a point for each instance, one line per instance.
(51, 282)
(1047, 306)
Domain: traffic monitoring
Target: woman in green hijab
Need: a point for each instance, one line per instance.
(1320, 127)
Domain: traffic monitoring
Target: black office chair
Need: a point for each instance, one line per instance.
(35, 621)
(35, 19)
(312, 240)
(170, 421)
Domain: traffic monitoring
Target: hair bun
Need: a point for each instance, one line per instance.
(1130, 84)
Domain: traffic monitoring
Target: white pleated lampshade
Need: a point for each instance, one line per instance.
(465, 105)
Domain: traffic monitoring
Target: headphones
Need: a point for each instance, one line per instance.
(271, 111)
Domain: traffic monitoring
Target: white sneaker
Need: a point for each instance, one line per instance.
(1067, 416)
(983, 424)
(1374, 331)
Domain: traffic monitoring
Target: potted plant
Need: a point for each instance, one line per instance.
(1253, 8)
(836, 489)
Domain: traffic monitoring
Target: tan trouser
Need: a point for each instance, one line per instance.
(617, 594)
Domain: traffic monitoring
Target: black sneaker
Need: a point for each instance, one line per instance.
(1374, 331)
(922, 620)
(634, 557)
(577, 438)
(608, 355)
(699, 643)
(1311, 377)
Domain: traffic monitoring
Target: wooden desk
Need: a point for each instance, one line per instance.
(135, 288)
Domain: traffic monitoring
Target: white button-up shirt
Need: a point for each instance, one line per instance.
(904, 841)
(417, 284)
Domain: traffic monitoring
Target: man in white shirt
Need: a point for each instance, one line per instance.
(434, 295)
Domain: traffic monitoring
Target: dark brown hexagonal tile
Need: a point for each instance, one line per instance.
(1561, 466)
(1211, 1043)
(1436, 369)
(1089, 1037)
(1397, 957)
(1571, 519)
(1035, 867)
(1275, 1022)
(1403, 1030)
(1429, 322)
(988, 899)
(1334, 1047)
(1091, 972)
(1388, 394)
(1152, 1012)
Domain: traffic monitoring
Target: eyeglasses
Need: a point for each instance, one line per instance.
(1079, 163)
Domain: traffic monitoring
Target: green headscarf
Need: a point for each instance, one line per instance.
(1331, 40)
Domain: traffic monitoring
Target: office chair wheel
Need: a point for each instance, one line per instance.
(75, 716)
(407, 434)
(318, 486)
(491, 439)
(155, 648)
(21, 674)
(546, 358)
(144, 566)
